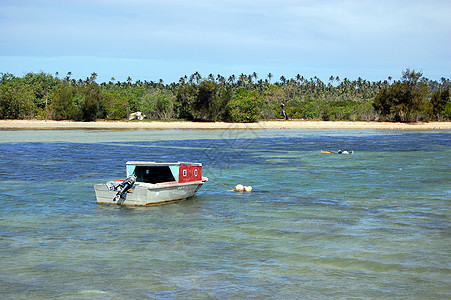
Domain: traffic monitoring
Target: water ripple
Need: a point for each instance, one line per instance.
(369, 225)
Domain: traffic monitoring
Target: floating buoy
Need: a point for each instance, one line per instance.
(239, 188)
(242, 188)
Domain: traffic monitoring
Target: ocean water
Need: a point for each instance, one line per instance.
(372, 225)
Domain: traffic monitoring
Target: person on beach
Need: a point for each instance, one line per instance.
(284, 114)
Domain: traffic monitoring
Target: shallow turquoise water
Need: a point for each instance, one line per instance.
(375, 224)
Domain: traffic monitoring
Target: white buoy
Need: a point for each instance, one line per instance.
(242, 188)
(239, 188)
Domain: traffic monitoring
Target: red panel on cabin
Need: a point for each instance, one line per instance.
(189, 173)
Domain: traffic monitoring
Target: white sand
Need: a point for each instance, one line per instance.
(292, 124)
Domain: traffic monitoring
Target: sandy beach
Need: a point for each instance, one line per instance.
(149, 125)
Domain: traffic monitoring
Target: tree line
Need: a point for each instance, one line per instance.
(243, 98)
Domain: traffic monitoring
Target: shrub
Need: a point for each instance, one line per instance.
(245, 106)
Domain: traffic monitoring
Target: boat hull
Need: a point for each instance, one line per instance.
(143, 194)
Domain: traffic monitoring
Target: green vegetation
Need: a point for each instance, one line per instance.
(245, 98)
(245, 106)
(409, 100)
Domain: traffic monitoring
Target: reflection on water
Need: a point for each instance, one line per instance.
(374, 224)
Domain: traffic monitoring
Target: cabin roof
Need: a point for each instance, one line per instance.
(152, 163)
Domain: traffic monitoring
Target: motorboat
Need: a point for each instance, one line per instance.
(152, 183)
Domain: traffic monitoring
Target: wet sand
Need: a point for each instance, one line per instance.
(291, 124)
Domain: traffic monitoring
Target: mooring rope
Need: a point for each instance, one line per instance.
(231, 188)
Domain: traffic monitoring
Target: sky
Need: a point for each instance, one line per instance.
(168, 39)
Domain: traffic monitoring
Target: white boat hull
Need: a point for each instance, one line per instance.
(143, 194)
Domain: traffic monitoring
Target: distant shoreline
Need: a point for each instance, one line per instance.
(149, 125)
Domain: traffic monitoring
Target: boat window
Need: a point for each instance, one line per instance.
(195, 173)
(153, 174)
(184, 173)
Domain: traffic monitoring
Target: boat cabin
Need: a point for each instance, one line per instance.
(152, 172)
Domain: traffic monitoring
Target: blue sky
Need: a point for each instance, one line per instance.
(152, 40)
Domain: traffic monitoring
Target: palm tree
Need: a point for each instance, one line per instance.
(197, 77)
(220, 79)
(255, 75)
(232, 79)
(332, 79)
(242, 79)
(93, 76)
(299, 78)
(283, 80)
(269, 77)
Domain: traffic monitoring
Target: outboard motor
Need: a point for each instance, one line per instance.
(125, 186)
